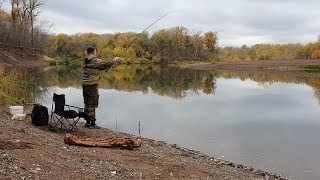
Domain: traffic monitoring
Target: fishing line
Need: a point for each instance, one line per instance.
(143, 32)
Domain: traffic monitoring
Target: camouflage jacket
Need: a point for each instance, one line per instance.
(91, 69)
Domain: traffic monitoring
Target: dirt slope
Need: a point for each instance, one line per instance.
(18, 56)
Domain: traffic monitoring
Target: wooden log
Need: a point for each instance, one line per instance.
(107, 143)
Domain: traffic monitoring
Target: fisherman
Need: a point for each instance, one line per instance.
(90, 81)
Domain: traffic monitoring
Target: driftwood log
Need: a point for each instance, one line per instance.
(107, 143)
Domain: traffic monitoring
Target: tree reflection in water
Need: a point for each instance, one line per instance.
(164, 81)
(172, 82)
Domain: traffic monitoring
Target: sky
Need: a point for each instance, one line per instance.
(237, 22)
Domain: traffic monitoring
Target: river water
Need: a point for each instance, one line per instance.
(265, 121)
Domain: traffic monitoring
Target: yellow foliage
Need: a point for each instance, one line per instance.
(118, 50)
(118, 75)
(1, 72)
(211, 40)
(316, 54)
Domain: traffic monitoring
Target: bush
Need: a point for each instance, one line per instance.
(15, 87)
(10, 100)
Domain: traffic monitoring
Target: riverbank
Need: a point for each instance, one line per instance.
(263, 65)
(28, 152)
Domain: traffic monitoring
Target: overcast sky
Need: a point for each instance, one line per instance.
(237, 22)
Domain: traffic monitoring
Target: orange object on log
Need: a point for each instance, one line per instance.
(108, 143)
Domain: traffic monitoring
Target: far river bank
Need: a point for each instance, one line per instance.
(259, 66)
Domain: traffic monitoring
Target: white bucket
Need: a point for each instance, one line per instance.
(16, 110)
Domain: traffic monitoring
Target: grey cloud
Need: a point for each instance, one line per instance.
(237, 22)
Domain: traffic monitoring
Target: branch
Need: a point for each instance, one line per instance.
(1, 2)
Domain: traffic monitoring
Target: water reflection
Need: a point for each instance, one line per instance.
(23, 84)
(267, 80)
(172, 82)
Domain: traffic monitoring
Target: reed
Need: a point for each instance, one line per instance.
(15, 88)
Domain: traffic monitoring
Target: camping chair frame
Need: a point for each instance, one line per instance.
(60, 114)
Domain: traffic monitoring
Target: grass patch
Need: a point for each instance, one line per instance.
(10, 100)
(15, 87)
(168, 170)
(88, 133)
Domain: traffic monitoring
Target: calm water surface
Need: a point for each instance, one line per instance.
(265, 121)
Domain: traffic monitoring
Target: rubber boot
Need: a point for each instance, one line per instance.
(94, 126)
(88, 124)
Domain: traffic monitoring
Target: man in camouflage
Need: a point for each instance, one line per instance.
(90, 81)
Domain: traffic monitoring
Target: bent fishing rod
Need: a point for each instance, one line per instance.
(142, 33)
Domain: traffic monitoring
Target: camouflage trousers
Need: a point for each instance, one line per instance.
(91, 101)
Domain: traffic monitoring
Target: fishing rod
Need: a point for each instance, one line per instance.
(142, 33)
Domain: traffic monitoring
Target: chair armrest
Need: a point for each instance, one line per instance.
(73, 106)
(79, 108)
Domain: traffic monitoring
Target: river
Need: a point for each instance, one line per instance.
(265, 121)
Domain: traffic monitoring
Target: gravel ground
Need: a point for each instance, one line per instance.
(29, 152)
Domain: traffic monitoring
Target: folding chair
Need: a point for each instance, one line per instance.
(59, 115)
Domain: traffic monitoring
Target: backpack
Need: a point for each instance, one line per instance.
(40, 116)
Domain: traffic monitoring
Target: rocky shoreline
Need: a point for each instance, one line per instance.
(29, 152)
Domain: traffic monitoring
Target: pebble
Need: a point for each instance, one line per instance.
(113, 172)
(33, 171)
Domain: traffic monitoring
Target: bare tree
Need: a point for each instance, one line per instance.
(41, 32)
(33, 6)
(24, 15)
(197, 41)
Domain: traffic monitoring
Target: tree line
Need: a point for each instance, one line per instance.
(22, 27)
(270, 52)
(165, 45)
(174, 45)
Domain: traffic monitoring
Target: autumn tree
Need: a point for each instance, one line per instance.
(195, 45)
(60, 45)
(211, 41)
(316, 52)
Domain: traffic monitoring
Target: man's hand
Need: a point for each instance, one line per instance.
(116, 60)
